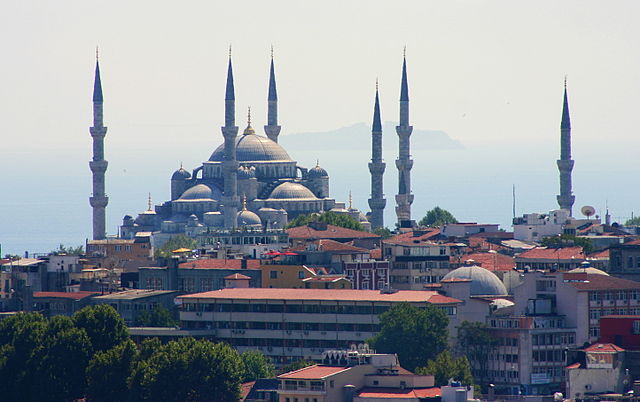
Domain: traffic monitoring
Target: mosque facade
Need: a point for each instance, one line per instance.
(249, 182)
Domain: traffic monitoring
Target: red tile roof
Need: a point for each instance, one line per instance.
(491, 261)
(543, 253)
(600, 255)
(314, 372)
(574, 366)
(582, 281)
(397, 393)
(376, 253)
(245, 389)
(420, 235)
(331, 246)
(412, 296)
(65, 295)
(603, 347)
(237, 276)
(217, 263)
(332, 232)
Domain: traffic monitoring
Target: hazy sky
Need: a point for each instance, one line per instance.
(485, 72)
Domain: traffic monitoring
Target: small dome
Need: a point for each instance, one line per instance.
(587, 270)
(290, 190)
(197, 192)
(483, 281)
(317, 172)
(246, 172)
(248, 218)
(180, 174)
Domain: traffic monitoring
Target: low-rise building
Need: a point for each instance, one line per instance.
(467, 229)
(547, 259)
(294, 324)
(61, 303)
(299, 236)
(367, 275)
(329, 253)
(131, 303)
(128, 254)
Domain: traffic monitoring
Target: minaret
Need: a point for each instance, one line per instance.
(272, 129)
(404, 163)
(98, 165)
(230, 200)
(376, 168)
(565, 164)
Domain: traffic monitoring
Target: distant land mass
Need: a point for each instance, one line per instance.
(359, 134)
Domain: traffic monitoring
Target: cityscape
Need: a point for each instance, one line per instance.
(275, 249)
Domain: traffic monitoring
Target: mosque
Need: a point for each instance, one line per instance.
(248, 182)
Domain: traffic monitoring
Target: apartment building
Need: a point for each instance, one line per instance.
(293, 324)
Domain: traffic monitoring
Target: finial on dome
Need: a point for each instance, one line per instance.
(376, 84)
(317, 162)
(271, 51)
(244, 202)
(97, 53)
(149, 203)
(180, 164)
(249, 116)
(565, 81)
(404, 51)
(229, 50)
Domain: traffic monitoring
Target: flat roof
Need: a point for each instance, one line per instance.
(410, 296)
(65, 295)
(313, 372)
(134, 294)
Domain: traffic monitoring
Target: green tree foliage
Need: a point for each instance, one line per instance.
(189, 370)
(104, 326)
(297, 365)
(445, 366)
(176, 242)
(328, 217)
(256, 365)
(158, 317)
(415, 334)
(385, 233)
(108, 372)
(635, 221)
(476, 342)
(566, 240)
(437, 217)
(79, 250)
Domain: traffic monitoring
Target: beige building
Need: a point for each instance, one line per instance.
(292, 324)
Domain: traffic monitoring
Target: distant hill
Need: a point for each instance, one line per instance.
(358, 136)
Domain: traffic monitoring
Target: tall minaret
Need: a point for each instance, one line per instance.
(98, 165)
(404, 163)
(565, 164)
(272, 129)
(376, 168)
(230, 200)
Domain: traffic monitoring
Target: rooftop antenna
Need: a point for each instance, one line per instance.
(513, 196)
(149, 203)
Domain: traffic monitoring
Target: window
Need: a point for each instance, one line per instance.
(273, 274)
(331, 383)
(636, 327)
(300, 274)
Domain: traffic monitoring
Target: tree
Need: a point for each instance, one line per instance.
(174, 243)
(108, 372)
(477, 343)
(445, 366)
(79, 250)
(415, 334)
(103, 325)
(189, 370)
(256, 365)
(566, 240)
(61, 362)
(158, 317)
(385, 233)
(328, 217)
(635, 221)
(437, 217)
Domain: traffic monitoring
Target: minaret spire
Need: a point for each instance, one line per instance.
(404, 163)
(230, 199)
(272, 129)
(376, 168)
(565, 163)
(98, 165)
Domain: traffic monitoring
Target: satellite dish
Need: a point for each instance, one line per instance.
(588, 211)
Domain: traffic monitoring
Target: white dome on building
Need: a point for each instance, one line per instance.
(248, 218)
(483, 281)
(200, 192)
(290, 190)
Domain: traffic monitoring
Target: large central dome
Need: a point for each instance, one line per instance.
(252, 147)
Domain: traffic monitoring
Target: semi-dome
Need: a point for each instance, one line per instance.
(483, 281)
(252, 147)
(587, 270)
(200, 192)
(290, 190)
(248, 218)
(316, 172)
(180, 174)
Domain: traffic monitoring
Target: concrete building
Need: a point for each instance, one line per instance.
(467, 229)
(50, 304)
(293, 324)
(301, 235)
(547, 259)
(367, 275)
(128, 254)
(330, 254)
(535, 226)
(603, 372)
(624, 260)
(131, 303)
